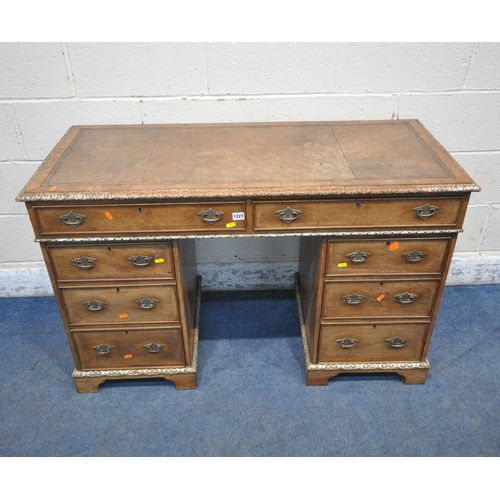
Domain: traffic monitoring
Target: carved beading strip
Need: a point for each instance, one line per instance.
(420, 232)
(139, 372)
(370, 366)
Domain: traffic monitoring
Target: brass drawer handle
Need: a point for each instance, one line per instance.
(211, 216)
(72, 219)
(354, 299)
(358, 257)
(146, 303)
(103, 349)
(140, 260)
(94, 305)
(347, 343)
(406, 298)
(396, 342)
(85, 263)
(414, 256)
(426, 211)
(288, 214)
(153, 347)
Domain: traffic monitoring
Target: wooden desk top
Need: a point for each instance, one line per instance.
(157, 162)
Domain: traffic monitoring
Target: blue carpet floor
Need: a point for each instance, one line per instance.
(251, 398)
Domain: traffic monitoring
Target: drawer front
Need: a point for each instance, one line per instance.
(130, 348)
(144, 218)
(356, 214)
(371, 342)
(112, 262)
(361, 257)
(120, 304)
(376, 299)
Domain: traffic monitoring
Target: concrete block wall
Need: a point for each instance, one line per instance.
(452, 88)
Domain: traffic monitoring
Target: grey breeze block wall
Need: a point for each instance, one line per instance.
(452, 88)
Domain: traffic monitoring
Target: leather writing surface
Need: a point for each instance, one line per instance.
(253, 159)
(391, 150)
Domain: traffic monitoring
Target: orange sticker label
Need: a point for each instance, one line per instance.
(53, 188)
(128, 356)
(394, 246)
(231, 224)
(342, 264)
(123, 316)
(108, 215)
(380, 297)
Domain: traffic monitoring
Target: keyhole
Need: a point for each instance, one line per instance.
(126, 332)
(139, 209)
(117, 289)
(358, 204)
(109, 249)
(374, 326)
(381, 283)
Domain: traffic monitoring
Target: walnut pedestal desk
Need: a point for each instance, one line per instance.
(377, 206)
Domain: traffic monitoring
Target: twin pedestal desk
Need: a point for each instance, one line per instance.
(377, 206)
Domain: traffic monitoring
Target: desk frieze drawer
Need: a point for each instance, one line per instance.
(371, 299)
(372, 342)
(121, 304)
(112, 261)
(357, 214)
(400, 256)
(140, 218)
(129, 348)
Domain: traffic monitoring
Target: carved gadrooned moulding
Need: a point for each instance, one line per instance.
(430, 232)
(133, 373)
(239, 193)
(422, 365)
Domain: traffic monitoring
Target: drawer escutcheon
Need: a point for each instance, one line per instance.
(406, 298)
(140, 260)
(211, 216)
(94, 305)
(72, 219)
(146, 303)
(426, 211)
(358, 257)
(397, 342)
(354, 299)
(347, 343)
(288, 214)
(153, 347)
(414, 256)
(103, 349)
(85, 263)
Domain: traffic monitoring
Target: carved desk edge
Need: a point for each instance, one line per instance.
(174, 194)
(166, 237)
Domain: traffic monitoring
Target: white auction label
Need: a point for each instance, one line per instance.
(238, 215)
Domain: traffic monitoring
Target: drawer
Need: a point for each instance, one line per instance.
(403, 256)
(129, 348)
(356, 214)
(112, 261)
(140, 218)
(121, 304)
(376, 299)
(372, 342)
